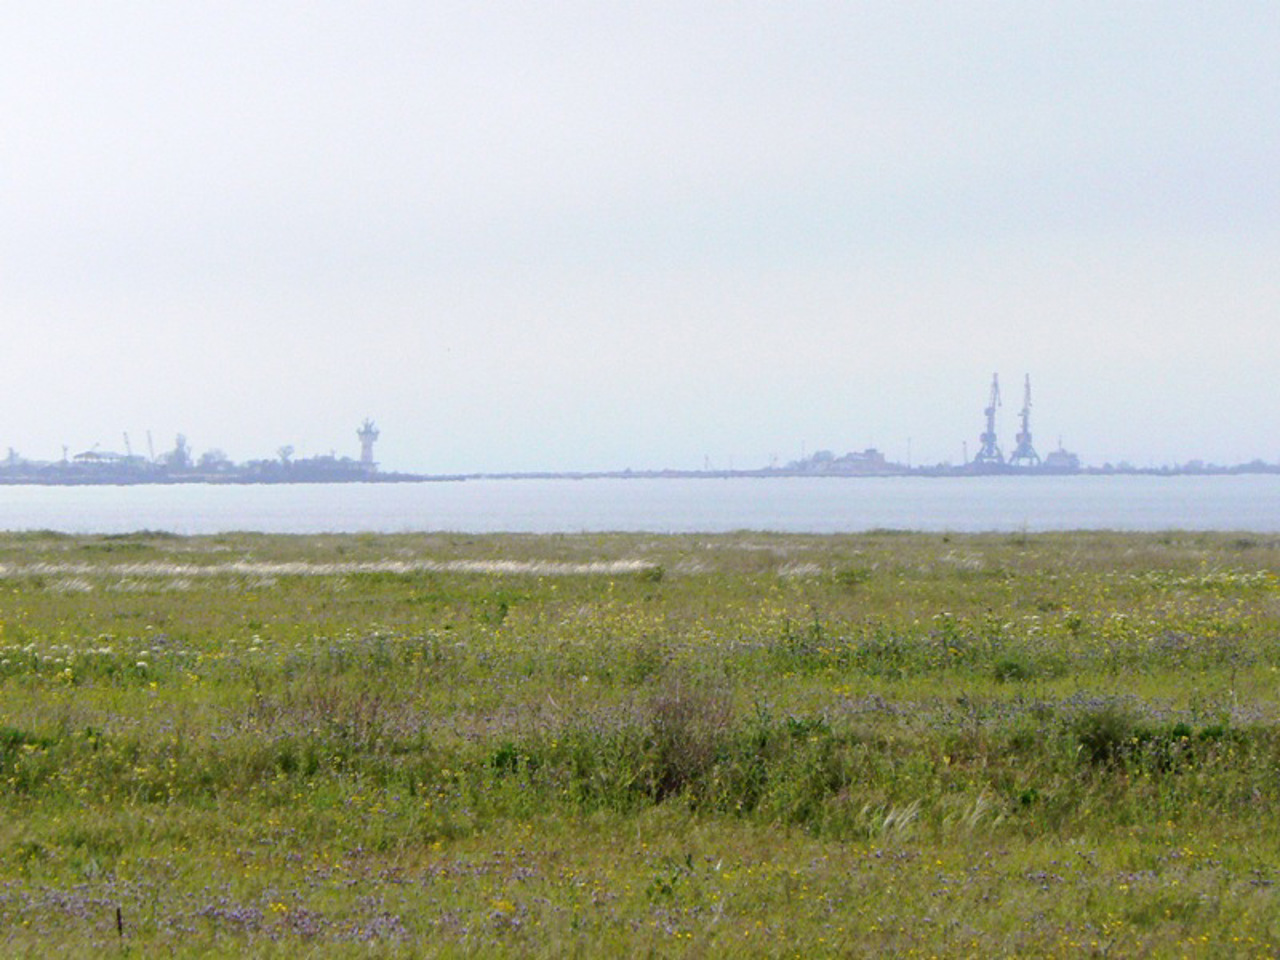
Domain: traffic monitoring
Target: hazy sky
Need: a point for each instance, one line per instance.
(598, 235)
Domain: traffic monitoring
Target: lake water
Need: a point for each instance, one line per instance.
(816, 505)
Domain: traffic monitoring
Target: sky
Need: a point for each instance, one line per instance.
(598, 235)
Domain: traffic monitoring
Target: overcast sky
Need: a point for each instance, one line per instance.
(580, 235)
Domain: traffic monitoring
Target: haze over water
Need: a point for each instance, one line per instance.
(591, 236)
(801, 505)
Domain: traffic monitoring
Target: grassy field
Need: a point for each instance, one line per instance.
(592, 745)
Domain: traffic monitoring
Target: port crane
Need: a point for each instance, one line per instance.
(989, 452)
(1024, 455)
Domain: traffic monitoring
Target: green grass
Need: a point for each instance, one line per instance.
(754, 744)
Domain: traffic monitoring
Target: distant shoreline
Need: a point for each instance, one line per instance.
(85, 479)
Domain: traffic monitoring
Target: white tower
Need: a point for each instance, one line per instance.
(367, 434)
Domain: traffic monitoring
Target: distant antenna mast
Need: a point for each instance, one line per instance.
(128, 450)
(367, 433)
(1025, 454)
(989, 452)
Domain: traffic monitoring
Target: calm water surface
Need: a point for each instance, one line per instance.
(825, 505)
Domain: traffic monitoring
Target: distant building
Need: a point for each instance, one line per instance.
(866, 461)
(1061, 461)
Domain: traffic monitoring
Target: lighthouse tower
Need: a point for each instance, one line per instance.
(367, 433)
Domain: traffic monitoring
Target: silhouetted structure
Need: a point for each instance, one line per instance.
(989, 452)
(1024, 454)
(367, 433)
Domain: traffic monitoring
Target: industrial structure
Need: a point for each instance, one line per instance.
(1024, 454)
(1024, 457)
(180, 465)
(989, 452)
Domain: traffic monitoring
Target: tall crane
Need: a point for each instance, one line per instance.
(989, 452)
(1024, 455)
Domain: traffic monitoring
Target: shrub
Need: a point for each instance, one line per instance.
(687, 728)
(1014, 666)
(1105, 733)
